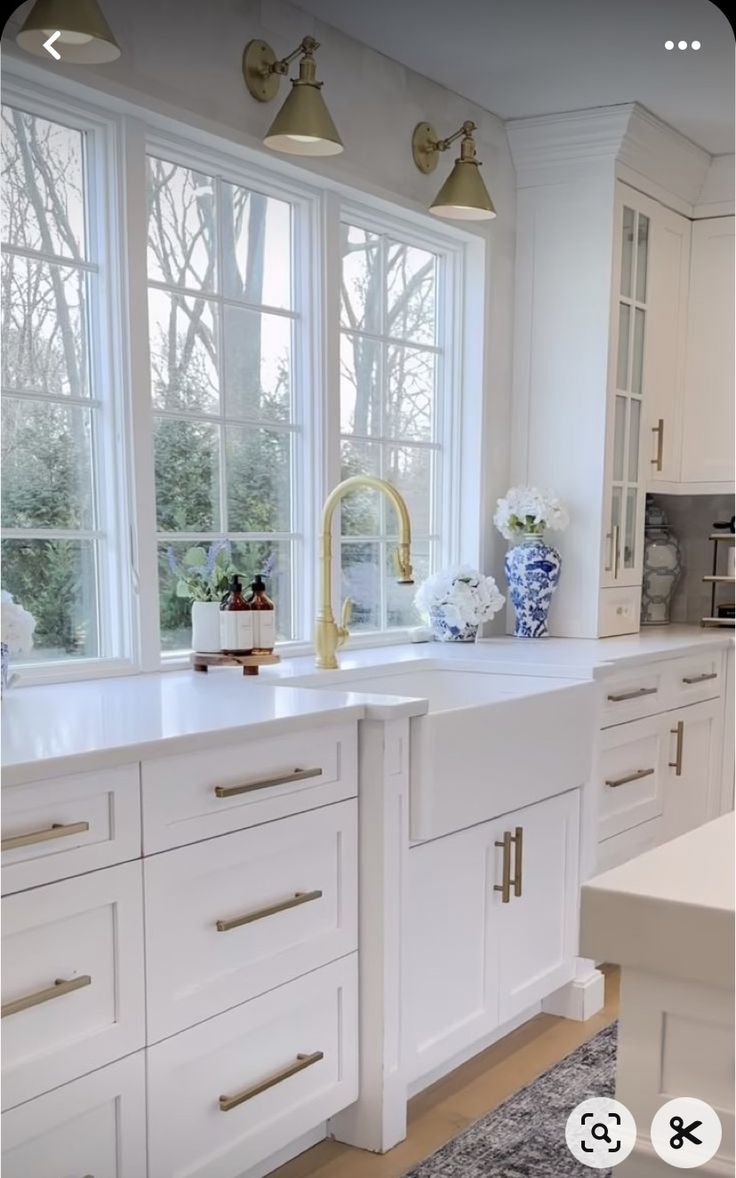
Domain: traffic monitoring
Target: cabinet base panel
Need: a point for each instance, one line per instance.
(581, 998)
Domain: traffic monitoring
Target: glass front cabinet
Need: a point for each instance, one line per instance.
(627, 391)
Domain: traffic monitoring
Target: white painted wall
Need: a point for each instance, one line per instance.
(717, 194)
(183, 59)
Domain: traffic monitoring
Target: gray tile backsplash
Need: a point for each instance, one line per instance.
(691, 518)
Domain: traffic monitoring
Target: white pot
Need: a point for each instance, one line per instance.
(206, 627)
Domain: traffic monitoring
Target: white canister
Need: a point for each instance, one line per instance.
(206, 627)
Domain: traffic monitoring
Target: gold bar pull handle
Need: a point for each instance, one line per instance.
(658, 429)
(518, 841)
(232, 791)
(300, 1063)
(505, 887)
(621, 696)
(613, 536)
(690, 679)
(224, 926)
(59, 988)
(679, 732)
(56, 831)
(615, 782)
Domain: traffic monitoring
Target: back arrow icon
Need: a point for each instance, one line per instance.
(49, 45)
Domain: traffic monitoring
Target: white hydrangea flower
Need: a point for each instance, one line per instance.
(529, 509)
(464, 595)
(17, 625)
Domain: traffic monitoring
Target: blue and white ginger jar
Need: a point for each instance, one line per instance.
(533, 572)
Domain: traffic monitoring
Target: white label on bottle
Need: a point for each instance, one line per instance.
(264, 630)
(236, 630)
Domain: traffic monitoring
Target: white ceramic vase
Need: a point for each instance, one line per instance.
(206, 627)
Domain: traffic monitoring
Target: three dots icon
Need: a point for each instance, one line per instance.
(682, 45)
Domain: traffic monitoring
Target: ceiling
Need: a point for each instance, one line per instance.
(531, 57)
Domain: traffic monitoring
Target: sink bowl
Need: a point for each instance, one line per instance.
(488, 743)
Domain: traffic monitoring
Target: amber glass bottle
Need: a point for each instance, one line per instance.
(236, 621)
(264, 618)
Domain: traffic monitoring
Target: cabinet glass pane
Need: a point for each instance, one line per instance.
(612, 537)
(627, 251)
(629, 553)
(634, 426)
(642, 251)
(638, 361)
(622, 365)
(619, 439)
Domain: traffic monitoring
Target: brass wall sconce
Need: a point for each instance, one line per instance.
(463, 196)
(86, 37)
(304, 125)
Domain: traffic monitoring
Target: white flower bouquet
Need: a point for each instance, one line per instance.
(458, 600)
(16, 625)
(529, 511)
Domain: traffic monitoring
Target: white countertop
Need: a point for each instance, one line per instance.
(65, 728)
(669, 911)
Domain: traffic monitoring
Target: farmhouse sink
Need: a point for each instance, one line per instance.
(488, 743)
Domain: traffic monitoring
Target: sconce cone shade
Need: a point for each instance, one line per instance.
(464, 196)
(86, 37)
(304, 125)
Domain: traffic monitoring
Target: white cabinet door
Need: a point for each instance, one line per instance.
(669, 269)
(451, 997)
(535, 934)
(692, 788)
(94, 1126)
(708, 414)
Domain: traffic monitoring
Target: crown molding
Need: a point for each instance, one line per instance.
(547, 148)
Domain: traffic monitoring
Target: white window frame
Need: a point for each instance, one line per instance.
(130, 132)
(115, 614)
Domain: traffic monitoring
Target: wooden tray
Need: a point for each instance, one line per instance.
(251, 663)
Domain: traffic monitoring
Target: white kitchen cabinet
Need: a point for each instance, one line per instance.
(632, 768)
(692, 786)
(94, 1126)
(491, 925)
(708, 409)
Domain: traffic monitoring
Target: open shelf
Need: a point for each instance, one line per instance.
(720, 580)
(723, 536)
(718, 622)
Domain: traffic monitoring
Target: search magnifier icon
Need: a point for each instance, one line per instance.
(599, 1132)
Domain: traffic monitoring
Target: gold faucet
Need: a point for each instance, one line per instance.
(328, 635)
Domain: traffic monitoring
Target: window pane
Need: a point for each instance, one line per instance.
(183, 343)
(410, 393)
(175, 613)
(619, 439)
(622, 363)
(44, 328)
(638, 360)
(187, 456)
(409, 469)
(43, 185)
(256, 247)
(46, 465)
(361, 293)
(634, 418)
(361, 511)
(411, 292)
(630, 534)
(258, 473)
(361, 581)
(56, 580)
(360, 390)
(627, 251)
(181, 226)
(400, 607)
(642, 249)
(257, 364)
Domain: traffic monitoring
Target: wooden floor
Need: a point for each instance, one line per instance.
(441, 1112)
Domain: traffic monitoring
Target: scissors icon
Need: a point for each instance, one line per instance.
(682, 1131)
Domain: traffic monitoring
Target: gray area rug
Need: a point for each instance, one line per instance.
(525, 1137)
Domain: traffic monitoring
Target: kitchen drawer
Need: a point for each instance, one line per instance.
(74, 951)
(694, 678)
(193, 797)
(630, 843)
(65, 826)
(234, 916)
(230, 1092)
(629, 695)
(631, 771)
(94, 1126)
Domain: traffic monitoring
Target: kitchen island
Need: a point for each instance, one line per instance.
(667, 918)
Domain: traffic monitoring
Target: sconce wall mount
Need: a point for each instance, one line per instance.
(304, 125)
(463, 196)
